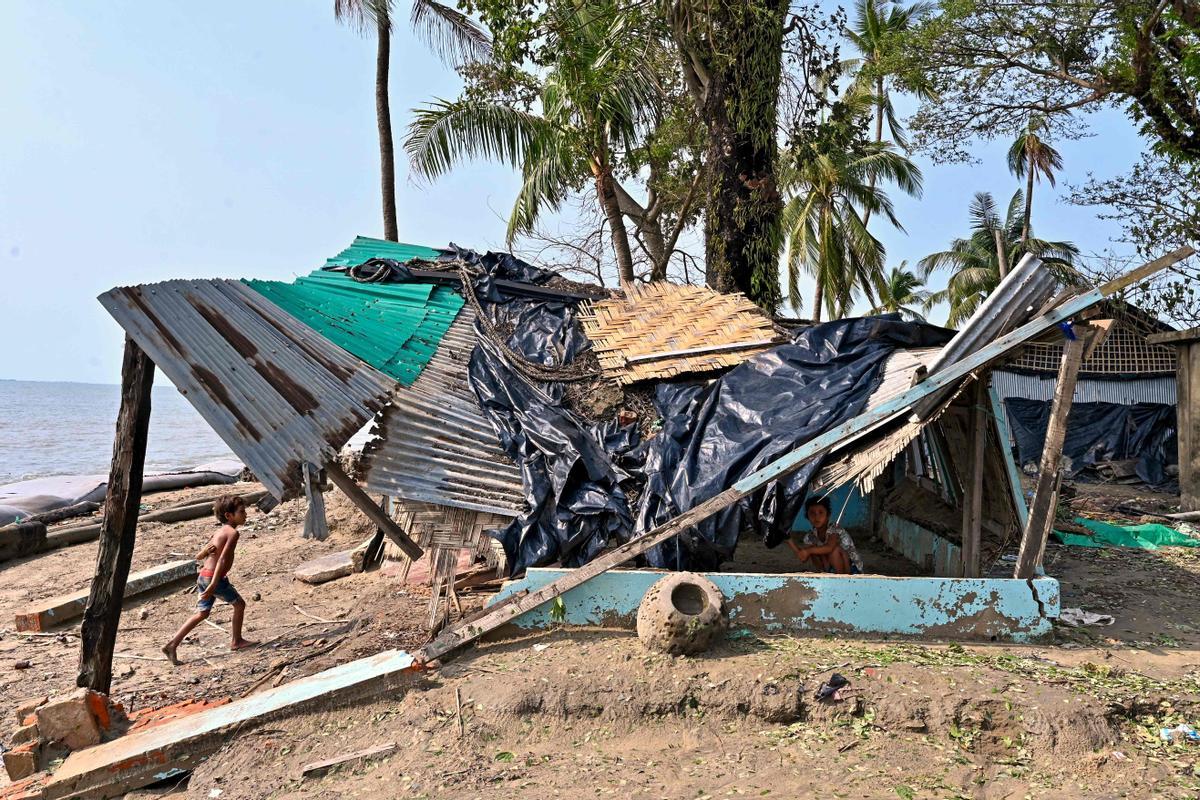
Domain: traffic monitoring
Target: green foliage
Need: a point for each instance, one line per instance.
(833, 176)
(993, 63)
(1158, 209)
(902, 292)
(974, 261)
(597, 96)
(879, 26)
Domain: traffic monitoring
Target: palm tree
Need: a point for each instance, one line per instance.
(1029, 157)
(877, 23)
(832, 184)
(976, 261)
(901, 293)
(450, 33)
(595, 100)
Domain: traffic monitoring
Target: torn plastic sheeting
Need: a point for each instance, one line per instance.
(571, 482)
(717, 433)
(1098, 432)
(1148, 536)
(713, 433)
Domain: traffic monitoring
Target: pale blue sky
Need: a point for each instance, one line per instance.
(150, 140)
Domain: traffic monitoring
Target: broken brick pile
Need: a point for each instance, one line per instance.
(49, 728)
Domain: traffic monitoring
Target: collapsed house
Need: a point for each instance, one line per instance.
(580, 431)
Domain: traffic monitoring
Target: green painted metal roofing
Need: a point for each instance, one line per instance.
(365, 247)
(394, 327)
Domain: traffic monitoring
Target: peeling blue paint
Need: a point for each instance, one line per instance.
(940, 608)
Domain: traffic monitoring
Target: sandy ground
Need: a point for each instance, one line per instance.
(575, 713)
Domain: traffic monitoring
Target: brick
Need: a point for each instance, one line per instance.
(69, 720)
(23, 734)
(21, 762)
(27, 707)
(30, 788)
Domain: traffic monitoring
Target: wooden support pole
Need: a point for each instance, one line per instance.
(374, 513)
(102, 615)
(1041, 513)
(972, 524)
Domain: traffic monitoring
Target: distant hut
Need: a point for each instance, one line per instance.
(1122, 424)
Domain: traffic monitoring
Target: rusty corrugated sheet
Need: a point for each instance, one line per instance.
(434, 444)
(276, 392)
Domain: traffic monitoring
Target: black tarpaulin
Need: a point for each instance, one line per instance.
(1098, 432)
(717, 433)
(568, 469)
(714, 432)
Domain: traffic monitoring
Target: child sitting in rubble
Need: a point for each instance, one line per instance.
(213, 581)
(827, 548)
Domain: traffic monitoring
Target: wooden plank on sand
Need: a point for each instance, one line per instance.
(58, 610)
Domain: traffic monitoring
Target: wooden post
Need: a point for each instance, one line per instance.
(1187, 425)
(374, 513)
(972, 524)
(103, 613)
(1187, 417)
(1041, 513)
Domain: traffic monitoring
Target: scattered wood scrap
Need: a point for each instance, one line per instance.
(318, 768)
(57, 610)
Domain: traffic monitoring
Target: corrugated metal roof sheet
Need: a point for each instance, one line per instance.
(435, 444)
(394, 327)
(1087, 390)
(276, 391)
(364, 248)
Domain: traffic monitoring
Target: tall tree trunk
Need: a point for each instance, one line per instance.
(606, 192)
(878, 138)
(1028, 199)
(741, 57)
(1001, 251)
(383, 114)
(818, 298)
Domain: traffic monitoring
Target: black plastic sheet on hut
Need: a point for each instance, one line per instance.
(1100, 432)
(568, 464)
(714, 433)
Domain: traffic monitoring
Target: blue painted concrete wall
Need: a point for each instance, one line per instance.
(982, 609)
(848, 502)
(924, 548)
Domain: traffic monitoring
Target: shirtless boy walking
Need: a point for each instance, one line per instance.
(213, 583)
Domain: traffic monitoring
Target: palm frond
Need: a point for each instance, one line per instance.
(365, 16)
(451, 34)
(444, 133)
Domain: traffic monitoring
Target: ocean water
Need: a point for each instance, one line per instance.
(67, 429)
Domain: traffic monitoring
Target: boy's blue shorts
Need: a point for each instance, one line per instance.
(224, 591)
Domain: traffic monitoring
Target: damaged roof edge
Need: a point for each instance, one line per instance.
(275, 391)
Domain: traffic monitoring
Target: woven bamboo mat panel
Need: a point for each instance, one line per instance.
(659, 318)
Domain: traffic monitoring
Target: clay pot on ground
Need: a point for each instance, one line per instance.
(681, 614)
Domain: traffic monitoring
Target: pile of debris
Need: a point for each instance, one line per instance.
(51, 728)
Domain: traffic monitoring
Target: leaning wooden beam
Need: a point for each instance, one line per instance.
(103, 612)
(57, 610)
(374, 513)
(1041, 513)
(851, 430)
(972, 526)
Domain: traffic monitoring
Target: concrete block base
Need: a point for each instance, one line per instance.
(971, 609)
